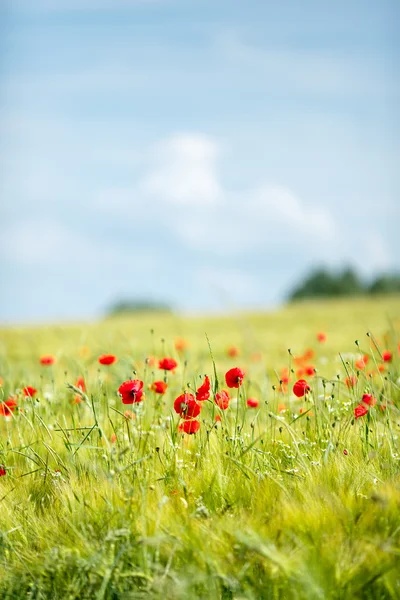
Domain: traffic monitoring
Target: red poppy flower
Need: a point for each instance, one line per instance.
(285, 376)
(151, 361)
(321, 336)
(190, 426)
(351, 381)
(47, 360)
(131, 391)
(8, 407)
(369, 399)
(159, 387)
(298, 360)
(80, 384)
(252, 402)
(167, 364)
(203, 393)
(387, 356)
(2, 471)
(381, 368)
(361, 363)
(77, 400)
(222, 399)
(107, 359)
(217, 418)
(300, 388)
(113, 438)
(180, 345)
(308, 354)
(186, 406)
(360, 411)
(234, 377)
(345, 452)
(29, 391)
(310, 370)
(300, 372)
(232, 351)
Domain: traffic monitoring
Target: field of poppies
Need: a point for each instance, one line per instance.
(245, 457)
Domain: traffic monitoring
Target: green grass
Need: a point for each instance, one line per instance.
(268, 503)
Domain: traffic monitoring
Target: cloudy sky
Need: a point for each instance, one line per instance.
(206, 153)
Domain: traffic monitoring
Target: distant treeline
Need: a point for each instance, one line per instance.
(137, 306)
(327, 284)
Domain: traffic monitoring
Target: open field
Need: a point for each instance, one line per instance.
(291, 498)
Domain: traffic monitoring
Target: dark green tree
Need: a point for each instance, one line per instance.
(385, 284)
(349, 284)
(325, 284)
(135, 306)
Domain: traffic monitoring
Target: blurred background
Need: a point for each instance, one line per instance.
(201, 154)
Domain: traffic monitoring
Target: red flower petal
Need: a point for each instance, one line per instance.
(8, 407)
(131, 391)
(252, 402)
(222, 399)
(189, 426)
(301, 388)
(107, 359)
(80, 383)
(186, 406)
(29, 391)
(369, 399)
(234, 377)
(351, 381)
(159, 387)
(167, 364)
(387, 356)
(203, 393)
(47, 360)
(360, 411)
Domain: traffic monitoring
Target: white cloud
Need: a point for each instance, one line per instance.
(183, 196)
(185, 171)
(280, 205)
(184, 187)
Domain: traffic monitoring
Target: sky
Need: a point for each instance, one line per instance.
(205, 153)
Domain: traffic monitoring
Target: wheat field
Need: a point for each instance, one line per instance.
(274, 494)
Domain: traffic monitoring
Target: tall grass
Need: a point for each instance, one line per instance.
(293, 499)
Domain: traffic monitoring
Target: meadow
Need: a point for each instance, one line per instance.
(251, 485)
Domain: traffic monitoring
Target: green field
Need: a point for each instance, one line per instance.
(292, 499)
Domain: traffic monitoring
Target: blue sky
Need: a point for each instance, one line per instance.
(205, 153)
